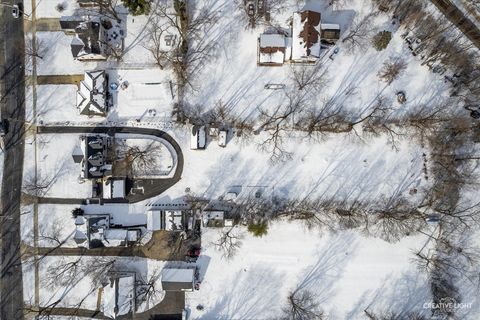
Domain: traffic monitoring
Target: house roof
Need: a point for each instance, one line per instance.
(330, 31)
(94, 164)
(89, 33)
(306, 35)
(174, 279)
(272, 40)
(92, 92)
(76, 46)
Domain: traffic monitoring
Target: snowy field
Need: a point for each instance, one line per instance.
(341, 166)
(346, 272)
(57, 173)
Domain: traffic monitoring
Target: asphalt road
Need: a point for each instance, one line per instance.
(12, 104)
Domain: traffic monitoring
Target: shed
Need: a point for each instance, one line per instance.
(174, 279)
(271, 49)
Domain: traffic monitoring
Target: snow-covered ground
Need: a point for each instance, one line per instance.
(340, 166)
(75, 281)
(230, 76)
(346, 272)
(57, 173)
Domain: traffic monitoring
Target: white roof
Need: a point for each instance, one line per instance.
(330, 26)
(118, 188)
(140, 91)
(299, 47)
(107, 189)
(91, 92)
(272, 40)
(222, 138)
(115, 234)
(178, 275)
(198, 138)
(153, 220)
(132, 235)
(276, 57)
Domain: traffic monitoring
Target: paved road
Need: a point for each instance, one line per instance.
(153, 187)
(12, 104)
(457, 17)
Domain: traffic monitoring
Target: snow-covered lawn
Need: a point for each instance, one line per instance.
(58, 174)
(152, 157)
(48, 8)
(340, 166)
(346, 272)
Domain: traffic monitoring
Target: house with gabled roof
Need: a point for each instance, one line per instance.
(92, 94)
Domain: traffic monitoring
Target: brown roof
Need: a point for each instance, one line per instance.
(309, 34)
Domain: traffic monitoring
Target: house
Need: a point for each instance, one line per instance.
(114, 188)
(96, 162)
(330, 33)
(306, 34)
(118, 296)
(302, 44)
(170, 219)
(272, 49)
(93, 231)
(92, 94)
(174, 279)
(90, 40)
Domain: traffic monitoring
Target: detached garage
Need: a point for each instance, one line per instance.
(178, 279)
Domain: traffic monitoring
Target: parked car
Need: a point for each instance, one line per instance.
(250, 8)
(222, 138)
(261, 5)
(15, 11)
(334, 53)
(3, 127)
(198, 139)
(274, 86)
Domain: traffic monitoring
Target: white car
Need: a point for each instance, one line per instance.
(198, 138)
(15, 11)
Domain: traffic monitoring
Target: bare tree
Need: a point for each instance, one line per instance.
(278, 123)
(229, 242)
(360, 32)
(148, 289)
(39, 185)
(301, 305)
(142, 159)
(392, 69)
(309, 77)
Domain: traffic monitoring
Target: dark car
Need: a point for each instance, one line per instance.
(250, 8)
(3, 127)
